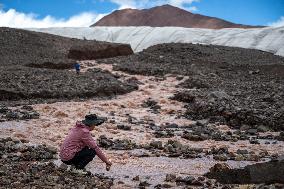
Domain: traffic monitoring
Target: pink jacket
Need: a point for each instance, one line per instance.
(78, 138)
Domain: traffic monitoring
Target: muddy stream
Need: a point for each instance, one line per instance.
(57, 118)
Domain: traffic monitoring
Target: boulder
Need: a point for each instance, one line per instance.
(267, 173)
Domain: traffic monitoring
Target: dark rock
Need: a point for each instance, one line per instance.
(268, 172)
(104, 142)
(3, 109)
(203, 122)
(242, 151)
(254, 140)
(144, 184)
(164, 134)
(220, 157)
(193, 137)
(170, 178)
(156, 144)
(179, 78)
(183, 97)
(219, 167)
(136, 178)
(124, 127)
(153, 105)
(171, 126)
(262, 128)
(164, 185)
(124, 144)
(134, 80)
(187, 180)
(252, 131)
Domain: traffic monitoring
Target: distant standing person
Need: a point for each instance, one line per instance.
(79, 148)
(77, 68)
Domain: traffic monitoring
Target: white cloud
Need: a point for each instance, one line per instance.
(278, 23)
(14, 19)
(149, 3)
(192, 9)
(181, 3)
(130, 3)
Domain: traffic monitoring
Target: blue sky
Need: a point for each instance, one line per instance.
(41, 13)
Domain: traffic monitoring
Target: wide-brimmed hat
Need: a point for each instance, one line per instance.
(93, 119)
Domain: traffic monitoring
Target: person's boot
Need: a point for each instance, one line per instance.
(79, 171)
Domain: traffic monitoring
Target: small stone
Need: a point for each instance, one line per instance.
(244, 127)
(170, 178)
(220, 157)
(196, 183)
(144, 184)
(166, 185)
(254, 141)
(219, 167)
(202, 179)
(136, 178)
(157, 144)
(112, 121)
(202, 122)
(189, 180)
(240, 151)
(124, 127)
(239, 158)
(179, 78)
(262, 128)
(172, 126)
(252, 131)
(26, 107)
(63, 166)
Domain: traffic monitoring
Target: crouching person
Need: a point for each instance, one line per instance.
(79, 148)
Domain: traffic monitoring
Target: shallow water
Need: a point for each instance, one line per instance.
(154, 169)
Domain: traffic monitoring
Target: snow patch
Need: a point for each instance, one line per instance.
(270, 39)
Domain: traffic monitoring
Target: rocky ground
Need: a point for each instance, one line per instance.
(35, 68)
(22, 113)
(234, 86)
(175, 111)
(147, 137)
(26, 166)
(25, 85)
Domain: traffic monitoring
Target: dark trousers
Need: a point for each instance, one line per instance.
(82, 158)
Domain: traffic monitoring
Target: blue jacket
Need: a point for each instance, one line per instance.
(77, 66)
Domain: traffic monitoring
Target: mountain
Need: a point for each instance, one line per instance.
(162, 16)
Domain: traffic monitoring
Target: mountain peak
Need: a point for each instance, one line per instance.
(164, 16)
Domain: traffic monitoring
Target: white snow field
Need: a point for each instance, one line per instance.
(269, 39)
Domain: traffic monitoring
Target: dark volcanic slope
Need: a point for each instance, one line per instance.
(231, 85)
(34, 68)
(165, 15)
(19, 47)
